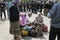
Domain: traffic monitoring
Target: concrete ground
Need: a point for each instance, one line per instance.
(5, 25)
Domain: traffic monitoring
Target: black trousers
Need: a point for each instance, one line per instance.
(53, 33)
(3, 11)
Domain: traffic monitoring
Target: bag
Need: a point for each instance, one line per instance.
(32, 33)
(24, 32)
(39, 31)
(27, 28)
(44, 28)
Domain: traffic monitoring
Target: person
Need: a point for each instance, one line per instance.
(23, 20)
(14, 22)
(2, 8)
(41, 7)
(29, 16)
(54, 14)
(20, 6)
(38, 24)
(38, 19)
(8, 5)
(27, 6)
(47, 7)
(24, 6)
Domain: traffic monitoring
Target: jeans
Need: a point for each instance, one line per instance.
(4, 13)
(53, 33)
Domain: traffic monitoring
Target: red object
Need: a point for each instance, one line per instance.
(44, 28)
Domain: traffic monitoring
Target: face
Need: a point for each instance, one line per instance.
(29, 15)
(39, 15)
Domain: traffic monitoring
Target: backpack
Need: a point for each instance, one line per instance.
(44, 28)
(27, 28)
(24, 32)
(32, 33)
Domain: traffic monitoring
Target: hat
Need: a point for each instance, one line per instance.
(30, 13)
(22, 13)
(38, 13)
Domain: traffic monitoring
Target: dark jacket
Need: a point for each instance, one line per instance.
(14, 14)
(2, 6)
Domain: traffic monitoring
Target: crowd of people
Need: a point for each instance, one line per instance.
(33, 6)
(19, 22)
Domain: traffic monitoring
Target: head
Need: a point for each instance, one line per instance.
(30, 14)
(14, 3)
(44, 1)
(39, 14)
(23, 15)
(50, 2)
(55, 1)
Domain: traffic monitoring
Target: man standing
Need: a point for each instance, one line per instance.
(54, 14)
(14, 22)
(8, 5)
(2, 8)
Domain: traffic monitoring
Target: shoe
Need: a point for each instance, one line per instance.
(17, 38)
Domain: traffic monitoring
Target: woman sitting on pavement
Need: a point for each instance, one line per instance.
(38, 24)
(38, 19)
(23, 20)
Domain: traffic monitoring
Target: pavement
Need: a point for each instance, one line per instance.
(5, 25)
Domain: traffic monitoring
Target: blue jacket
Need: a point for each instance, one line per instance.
(54, 14)
(8, 4)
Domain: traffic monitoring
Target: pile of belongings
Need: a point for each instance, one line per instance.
(33, 31)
